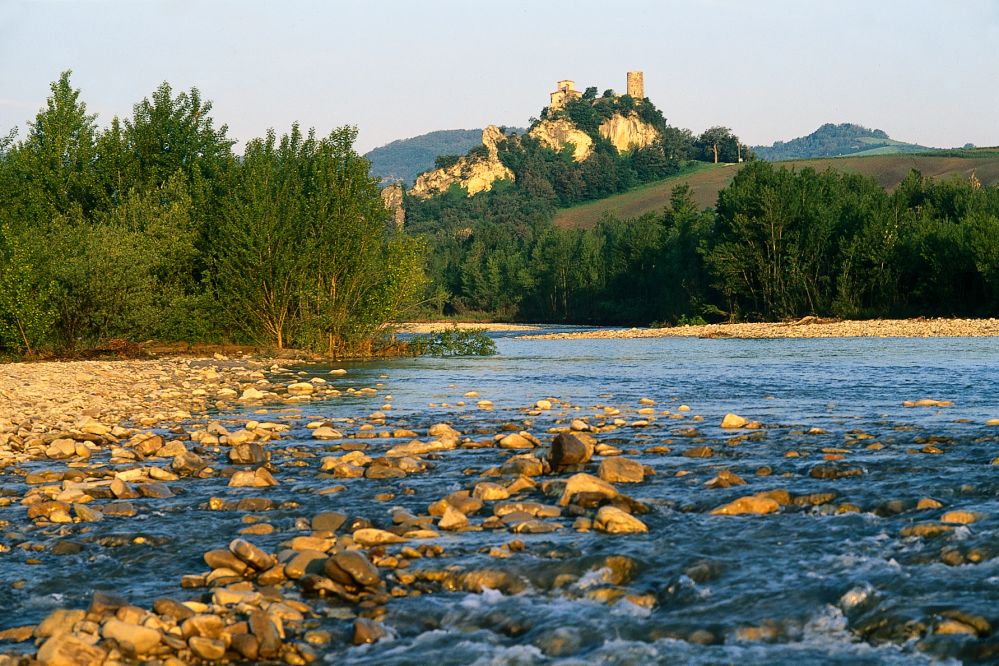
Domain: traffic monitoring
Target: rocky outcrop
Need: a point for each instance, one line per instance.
(628, 132)
(475, 172)
(559, 132)
(392, 198)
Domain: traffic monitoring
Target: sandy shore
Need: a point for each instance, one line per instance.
(435, 326)
(809, 327)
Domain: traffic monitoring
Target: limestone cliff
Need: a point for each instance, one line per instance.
(559, 132)
(475, 172)
(628, 132)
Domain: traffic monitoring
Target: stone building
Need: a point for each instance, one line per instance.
(565, 90)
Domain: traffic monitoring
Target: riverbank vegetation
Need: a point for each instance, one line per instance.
(154, 228)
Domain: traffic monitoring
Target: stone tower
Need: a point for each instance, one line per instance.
(636, 85)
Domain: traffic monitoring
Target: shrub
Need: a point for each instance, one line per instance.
(453, 342)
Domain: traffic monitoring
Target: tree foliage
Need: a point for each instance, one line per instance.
(153, 228)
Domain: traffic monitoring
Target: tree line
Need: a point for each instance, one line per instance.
(154, 228)
(780, 243)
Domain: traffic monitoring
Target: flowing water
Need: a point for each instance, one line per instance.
(830, 580)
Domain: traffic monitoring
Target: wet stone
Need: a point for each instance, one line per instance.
(252, 555)
(568, 450)
(328, 521)
(352, 568)
(367, 631)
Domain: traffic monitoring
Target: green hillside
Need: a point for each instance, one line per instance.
(836, 141)
(709, 179)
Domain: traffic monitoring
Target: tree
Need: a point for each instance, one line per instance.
(326, 271)
(717, 144)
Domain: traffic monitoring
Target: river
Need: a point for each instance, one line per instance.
(830, 578)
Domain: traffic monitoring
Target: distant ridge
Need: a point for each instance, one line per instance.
(404, 159)
(837, 141)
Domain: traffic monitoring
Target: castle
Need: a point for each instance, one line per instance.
(565, 90)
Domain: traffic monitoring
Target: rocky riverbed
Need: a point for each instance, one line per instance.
(198, 511)
(809, 327)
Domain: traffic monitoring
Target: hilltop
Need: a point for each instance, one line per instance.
(835, 141)
(709, 179)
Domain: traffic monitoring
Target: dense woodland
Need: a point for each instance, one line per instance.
(154, 228)
(779, 244)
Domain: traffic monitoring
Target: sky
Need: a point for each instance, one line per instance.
(925, 72)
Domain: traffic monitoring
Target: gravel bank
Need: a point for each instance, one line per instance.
(809, 327)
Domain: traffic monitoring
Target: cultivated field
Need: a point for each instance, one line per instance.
(889, 170)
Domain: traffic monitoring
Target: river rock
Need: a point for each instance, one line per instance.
(248, 454)
(268, 639)
(753, 504)
(328, 521)
(171, 608)
(258, 478)
(960, 517)
(586, 483)
(515, 441)
(488, 491)
(252, 555)
(209, 649)
(138, 639)
(525, 464)
(59, 621)
(367, 631)
(155, 490)
(221, 558)
(304, 561)
(186, 462)
(452, 519)
(67, 649)
(252, 394)
(370, 536)
(61, 448)
(352, 568)
(301, 388)
(615, 521)
(326, 432)
(568, 450)
(733, 421)
(621, 470)
(725, 479)
(443, 431)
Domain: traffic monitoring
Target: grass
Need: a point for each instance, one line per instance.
(709, 179)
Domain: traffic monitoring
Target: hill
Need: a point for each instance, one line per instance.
(835, 141)
(404, 159)
(709, 179)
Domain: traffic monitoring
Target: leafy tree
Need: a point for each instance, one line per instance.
(717, 144)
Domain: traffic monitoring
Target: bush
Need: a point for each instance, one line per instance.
(453, 342)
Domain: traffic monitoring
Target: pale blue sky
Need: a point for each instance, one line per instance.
(926, 72)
